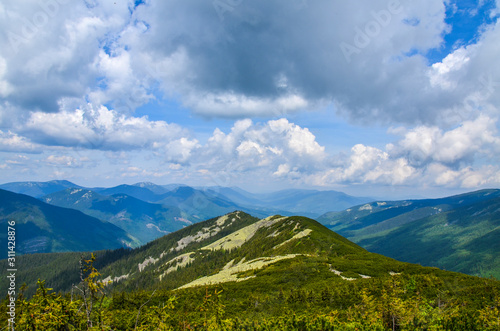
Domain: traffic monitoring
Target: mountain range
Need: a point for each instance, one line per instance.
(460, 233)
(147, 221)
(285, 252)
(40, 227)
(211, 201)
(239, 272)
(38, 189)
(146, 211)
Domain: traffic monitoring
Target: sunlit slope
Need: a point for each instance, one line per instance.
(236, 251)
(237, 248)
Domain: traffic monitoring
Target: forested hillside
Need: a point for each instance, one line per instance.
(43, 228)
(236, 272)
(459, 233)
(146, 221)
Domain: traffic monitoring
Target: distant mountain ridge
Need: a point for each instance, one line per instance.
(146, 221)
(213, 200)
(170, 211)
(459, 233)
(44, 228)
(38, 189)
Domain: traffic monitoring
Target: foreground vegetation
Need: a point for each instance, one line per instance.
(397, 302)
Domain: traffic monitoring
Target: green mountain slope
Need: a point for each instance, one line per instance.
(276, 252)
(458, 233)
(41, 227)
(145, 221)
(282, 251)
(239, 272)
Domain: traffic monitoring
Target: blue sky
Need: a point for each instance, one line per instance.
(388, 98)
(466, 20)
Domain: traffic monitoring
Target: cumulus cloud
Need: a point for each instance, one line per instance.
(466, 177)
(66, 161)
(272, 151)
(73, 73)
(278, 146)
(253, 62)
(365, 164)
(453, 148)
(101, 128)
(425, 156)
(242, 60)
(44, 65)
(12, 142)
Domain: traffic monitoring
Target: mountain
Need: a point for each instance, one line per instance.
(38, 189)
(312, 203)
(143, 192)
(283, 251)
(156, 189)
(206, 202)
(239, 272)
(202, 205)
(459, 233)
(40, 227)
(238, 247)
(145, 221)
(195, 204)
(236, 195)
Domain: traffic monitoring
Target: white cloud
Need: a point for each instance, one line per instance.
(466, 177)
(12, 142)
(367, 164)
(72, 75)
(121, 86)
(239, 105)
(441, 73)
(105, 129)
(51, 48)
(454, 147)
(122, 56)
(269, 152)
(180, 150)
(273, 147)
(5, 87)
(65, 161)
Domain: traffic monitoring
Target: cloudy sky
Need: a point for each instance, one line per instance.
(391, 98)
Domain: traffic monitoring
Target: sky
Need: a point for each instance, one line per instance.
(389, 98)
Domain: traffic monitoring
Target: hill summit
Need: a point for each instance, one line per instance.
(237, 248)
